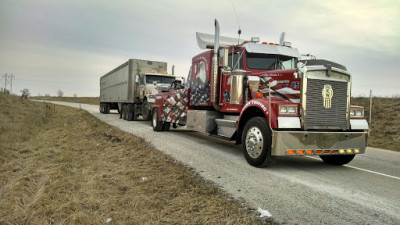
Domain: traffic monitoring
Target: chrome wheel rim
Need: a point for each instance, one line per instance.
(254, 142)
(155, 119)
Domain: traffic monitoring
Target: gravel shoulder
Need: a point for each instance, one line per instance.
(295, 190)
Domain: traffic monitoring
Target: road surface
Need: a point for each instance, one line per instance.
(295, 190)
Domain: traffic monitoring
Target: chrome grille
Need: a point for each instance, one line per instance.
(319, 117)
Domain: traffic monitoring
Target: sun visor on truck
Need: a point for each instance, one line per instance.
(207, 41)
(272, 49)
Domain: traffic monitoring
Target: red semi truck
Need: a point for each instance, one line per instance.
(263, 96)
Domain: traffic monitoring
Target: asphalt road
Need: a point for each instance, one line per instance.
(295, 190)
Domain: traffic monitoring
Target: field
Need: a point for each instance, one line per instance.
(60, 165)
(385, 121)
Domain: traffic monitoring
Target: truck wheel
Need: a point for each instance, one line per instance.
(256, 142)
(130, 112)
(124, 112)
(107, 108)
(145, 110)
(337, 159)
(166, 126)
(101, 108)
(157, 125)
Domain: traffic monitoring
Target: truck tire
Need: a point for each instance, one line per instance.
(124, 112)
(130, 114)
(107, 108)
(337, 160)
(166, 126)
(256, 142)
(157, 125)
(146, 113)
(101, 108)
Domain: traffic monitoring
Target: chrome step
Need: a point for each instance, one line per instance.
(226, 127)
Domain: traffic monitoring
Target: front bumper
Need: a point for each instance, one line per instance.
(283, 141)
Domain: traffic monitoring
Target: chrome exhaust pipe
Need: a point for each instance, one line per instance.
(214, 75)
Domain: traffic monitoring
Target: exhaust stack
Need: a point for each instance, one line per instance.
(214, 75)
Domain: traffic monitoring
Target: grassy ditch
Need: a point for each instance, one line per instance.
(59, 165)
(385, 124)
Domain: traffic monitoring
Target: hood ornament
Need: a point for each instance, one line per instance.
(327, 94)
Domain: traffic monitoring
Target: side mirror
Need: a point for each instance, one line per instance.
(223, 57)
(137, 78)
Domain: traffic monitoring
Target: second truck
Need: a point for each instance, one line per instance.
(131, 88)
(263, 96)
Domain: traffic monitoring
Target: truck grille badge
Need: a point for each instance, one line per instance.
(327, 94)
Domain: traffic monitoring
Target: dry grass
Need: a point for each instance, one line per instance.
(59, 165)
(84, 100)
(385, 125)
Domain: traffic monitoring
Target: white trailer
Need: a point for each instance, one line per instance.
(131, 88)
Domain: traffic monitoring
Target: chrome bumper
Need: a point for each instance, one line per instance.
(305, 140)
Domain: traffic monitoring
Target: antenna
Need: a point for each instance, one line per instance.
(237, 20)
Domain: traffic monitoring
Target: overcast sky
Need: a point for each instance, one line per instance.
(68, 44)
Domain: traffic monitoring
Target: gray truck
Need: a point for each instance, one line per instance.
(131, 88)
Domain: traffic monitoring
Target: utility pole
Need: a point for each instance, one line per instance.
(11, 79)
(8, 80)
(5, 82)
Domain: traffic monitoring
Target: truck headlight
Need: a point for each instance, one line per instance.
(288, 109)
(357, 113)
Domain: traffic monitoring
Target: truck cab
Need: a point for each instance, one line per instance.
(149, 85)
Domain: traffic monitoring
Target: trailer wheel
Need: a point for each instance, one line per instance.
(157, 125)
(256, 142)
(124, 112)
(145, 110)
(101, 108)
(107, 108)
(337, 159)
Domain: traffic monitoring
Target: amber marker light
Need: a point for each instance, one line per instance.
(327, 151)
(318, 151)
(334, 151)
(300, 152)
(309, 152)
(356, 150)
(290, 152)
(260, 94)
(349, 151)
(150, 92)
(342, 151)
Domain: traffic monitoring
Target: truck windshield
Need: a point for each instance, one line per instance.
(260, 61)
(159, 79)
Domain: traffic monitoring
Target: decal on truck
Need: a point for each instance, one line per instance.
(175, 107)
(279, 89)
(200, 86)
